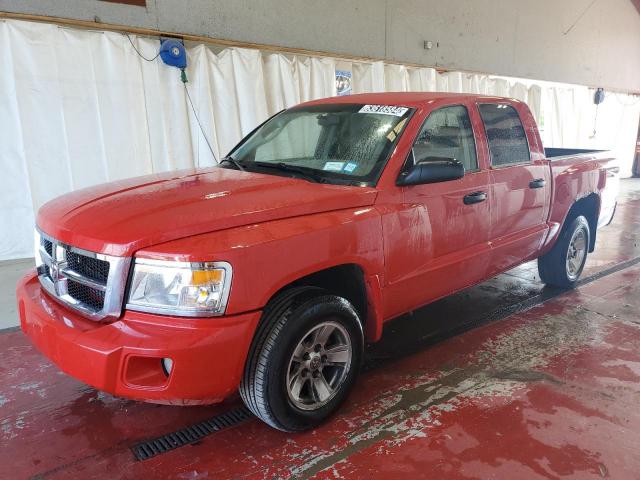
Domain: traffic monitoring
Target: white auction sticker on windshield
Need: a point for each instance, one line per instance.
(333, 166)
(384, 110)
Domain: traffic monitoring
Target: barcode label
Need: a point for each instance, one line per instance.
(384, 110)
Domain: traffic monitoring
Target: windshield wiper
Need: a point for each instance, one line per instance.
(233, 162)
(305, 172)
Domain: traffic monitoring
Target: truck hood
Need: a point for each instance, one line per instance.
(121, 217)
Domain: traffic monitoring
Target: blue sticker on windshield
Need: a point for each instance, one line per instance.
(350, 167)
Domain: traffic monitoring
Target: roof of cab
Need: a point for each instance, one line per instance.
(406, 99)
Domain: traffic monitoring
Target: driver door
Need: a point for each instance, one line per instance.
(440, 236)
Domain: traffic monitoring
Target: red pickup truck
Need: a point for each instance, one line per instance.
(269, 272)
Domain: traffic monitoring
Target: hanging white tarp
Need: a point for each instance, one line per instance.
(78, 108)
(368, 77)
(81, 107)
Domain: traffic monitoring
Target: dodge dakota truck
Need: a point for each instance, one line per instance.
(271, 271)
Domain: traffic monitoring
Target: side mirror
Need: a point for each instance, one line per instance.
(432, 170)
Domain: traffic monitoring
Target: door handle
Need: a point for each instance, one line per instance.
(475, 197)
(537, 183)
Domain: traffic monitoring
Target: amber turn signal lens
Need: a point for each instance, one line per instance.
(202, 277)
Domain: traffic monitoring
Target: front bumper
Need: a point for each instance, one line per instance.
(124, 357)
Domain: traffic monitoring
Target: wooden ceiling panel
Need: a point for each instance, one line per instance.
(140, 3)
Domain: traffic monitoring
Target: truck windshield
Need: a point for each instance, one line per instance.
(333, 143)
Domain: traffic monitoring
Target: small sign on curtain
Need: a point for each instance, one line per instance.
(343, 82)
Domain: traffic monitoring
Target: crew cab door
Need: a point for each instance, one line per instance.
(520, 185)
(437, 241)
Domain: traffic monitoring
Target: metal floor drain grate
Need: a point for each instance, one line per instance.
(189, 435)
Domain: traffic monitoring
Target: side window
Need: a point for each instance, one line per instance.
(505, 134)
(447, 133)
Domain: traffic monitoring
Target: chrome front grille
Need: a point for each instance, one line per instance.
(48, 246)
(92, 268)
(91, 297)
(91, 283)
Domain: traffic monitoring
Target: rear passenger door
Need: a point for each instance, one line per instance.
(520, 187)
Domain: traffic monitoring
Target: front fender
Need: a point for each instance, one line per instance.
(268, 256)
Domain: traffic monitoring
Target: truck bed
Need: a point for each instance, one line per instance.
(581, 171)
(555, 153)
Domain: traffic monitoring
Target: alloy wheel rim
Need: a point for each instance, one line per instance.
(576, 254)
(319, 366)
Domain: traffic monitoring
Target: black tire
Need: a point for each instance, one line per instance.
(285, 321)
(552, 266)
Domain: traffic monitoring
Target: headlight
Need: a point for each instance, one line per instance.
(180, 288)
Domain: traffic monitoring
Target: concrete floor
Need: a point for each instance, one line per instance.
(508, 379)
(10, 272)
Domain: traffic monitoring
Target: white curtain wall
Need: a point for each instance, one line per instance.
(81, 107)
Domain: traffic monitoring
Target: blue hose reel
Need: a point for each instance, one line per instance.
(173, 53)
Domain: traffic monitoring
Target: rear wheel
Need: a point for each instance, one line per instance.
(563, 264)
(304, 359)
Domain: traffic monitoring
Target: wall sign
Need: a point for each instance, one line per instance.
(343, 82)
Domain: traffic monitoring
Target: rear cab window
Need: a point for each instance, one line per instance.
(506, 136)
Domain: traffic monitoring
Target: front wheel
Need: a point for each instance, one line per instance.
(304, 359)
(563, 264)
